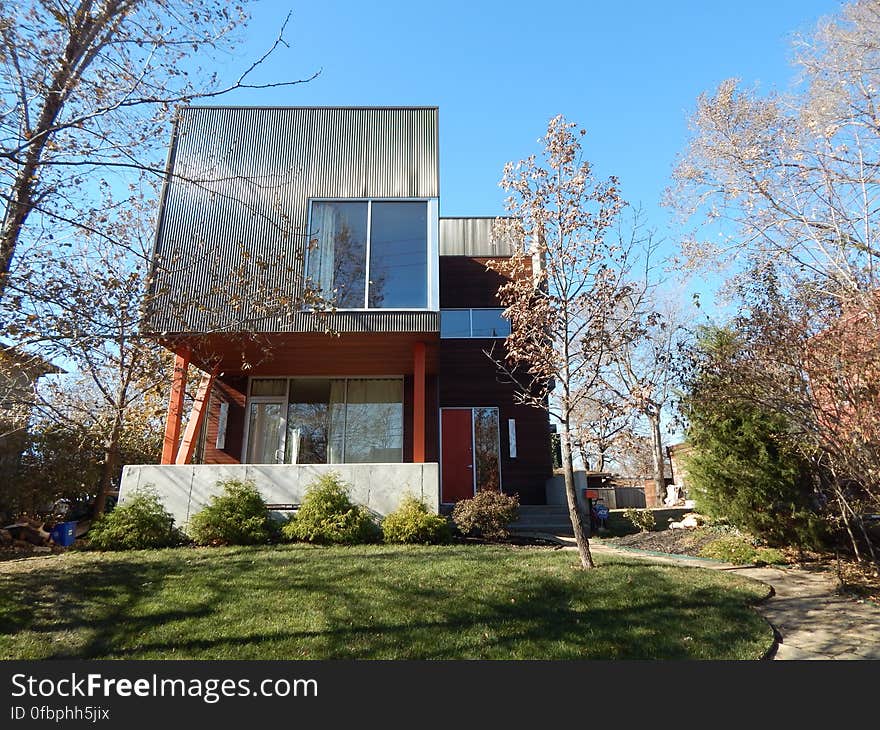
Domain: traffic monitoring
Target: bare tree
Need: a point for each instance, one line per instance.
(643, 373)
(82, 304)
(600, 423)
(89, 86)
(82, 310)
(797, 177)
(569, 295)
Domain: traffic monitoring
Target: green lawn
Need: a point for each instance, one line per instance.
(295, 601)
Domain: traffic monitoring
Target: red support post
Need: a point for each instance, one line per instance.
(419, 403)
(175, 407)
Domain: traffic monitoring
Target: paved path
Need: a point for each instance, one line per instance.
(811, 619)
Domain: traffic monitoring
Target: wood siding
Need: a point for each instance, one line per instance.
(230, 390)
(465, 282)
(290, 354)
(469, 379)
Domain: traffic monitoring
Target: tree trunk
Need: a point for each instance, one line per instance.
(600, 463)
(108, 471)
(110, 466)
(574, 512)
(659, 462)
(584, 458)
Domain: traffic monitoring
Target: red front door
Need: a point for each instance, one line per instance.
(457, 457)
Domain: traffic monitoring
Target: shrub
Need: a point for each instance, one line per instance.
(487, 513)
(769, 556)
(641, 518)
(327, 516)
(412, 523)
(140, 523)
(745, 462)
(739, 550)
(238, 516)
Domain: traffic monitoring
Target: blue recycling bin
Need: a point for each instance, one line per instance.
(64, 534)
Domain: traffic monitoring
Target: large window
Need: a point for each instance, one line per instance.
(325, 421)
(370, 254)
(466, 323)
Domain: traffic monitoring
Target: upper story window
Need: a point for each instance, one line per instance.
(370, 254)
(466, 323)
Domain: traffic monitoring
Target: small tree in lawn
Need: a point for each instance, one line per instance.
(569, 296)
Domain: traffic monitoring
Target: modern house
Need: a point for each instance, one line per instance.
(338, 321)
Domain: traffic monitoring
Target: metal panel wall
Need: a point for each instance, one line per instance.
(235, 206)
(471, 237)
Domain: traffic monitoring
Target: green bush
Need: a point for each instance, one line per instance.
(769, 556)
(641, 518)
(238, 516)
(140, 523)
(327, 516)
(745, 464)
(739, 550)
(487, 513)
(412, 523)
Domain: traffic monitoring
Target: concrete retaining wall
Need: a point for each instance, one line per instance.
(185, 489)
(613, 497)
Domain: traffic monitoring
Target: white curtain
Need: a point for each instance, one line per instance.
(374, 421)
(335, 446)
(325, 221)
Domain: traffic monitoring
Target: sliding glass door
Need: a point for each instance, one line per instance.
(266, 432)
(326, 421)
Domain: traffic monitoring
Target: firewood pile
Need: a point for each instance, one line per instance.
(29, 534)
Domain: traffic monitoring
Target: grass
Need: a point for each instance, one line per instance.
(375, 602)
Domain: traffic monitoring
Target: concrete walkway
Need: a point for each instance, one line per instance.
(811, 620)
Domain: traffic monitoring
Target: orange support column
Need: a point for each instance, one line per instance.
(196, 418)
(419, 402)
(175, 407)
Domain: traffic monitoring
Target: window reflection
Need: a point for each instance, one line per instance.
(265, 429)
(337, 264)
(374, 421)
(489, 323)
(308, 421)
(486, 448)
(330, 421)
(398, 255)
(455, 323)
(393, 235)
(464, 323)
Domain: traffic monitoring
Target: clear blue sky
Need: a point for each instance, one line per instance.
(629, 72)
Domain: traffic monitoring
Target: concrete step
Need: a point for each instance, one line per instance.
(551, 529)
(547, 518)
(542, 509)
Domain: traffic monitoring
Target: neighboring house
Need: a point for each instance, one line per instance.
(678, 455)
(842, 363)
(401, 397)
(19, 372)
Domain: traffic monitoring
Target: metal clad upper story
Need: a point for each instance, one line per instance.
(472, 237)
(234, 215)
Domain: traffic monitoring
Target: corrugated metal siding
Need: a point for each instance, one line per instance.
(471, 237)
(240, 183)
(367, 322)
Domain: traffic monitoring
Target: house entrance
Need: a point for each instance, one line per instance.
(470, 452)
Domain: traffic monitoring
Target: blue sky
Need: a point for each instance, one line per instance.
(629, 72)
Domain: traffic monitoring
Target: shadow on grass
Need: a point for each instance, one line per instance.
(380, 602)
